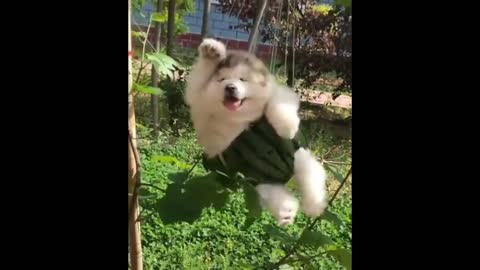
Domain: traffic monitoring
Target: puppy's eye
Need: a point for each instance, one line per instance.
(221, 80)
(243, 79)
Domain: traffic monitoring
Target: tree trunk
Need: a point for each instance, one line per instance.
(134, 238)
(155, 77)
(206, 16)
(171, 26)
(289, 67)
(253, 38)
(170, 44)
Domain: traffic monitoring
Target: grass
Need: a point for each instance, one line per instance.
(218, 238)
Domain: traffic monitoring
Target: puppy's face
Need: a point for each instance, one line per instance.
(240, 83)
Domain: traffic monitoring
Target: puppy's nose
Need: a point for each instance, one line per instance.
(230, 89)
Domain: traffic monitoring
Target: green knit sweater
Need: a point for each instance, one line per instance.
(259, 154)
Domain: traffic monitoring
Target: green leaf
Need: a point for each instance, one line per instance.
(144, 192)
(140, 126)
(285, 267)
(173, 208)
(185, 202)
(306, 261)
(160, 17)
(252, 201)
(164, 64)
(172, 161)
(148, 89)
(331, 217)
(245, 266)
(206, 191)
(138, 34)
(334, 171)
(314, 239)
(344, 257)
(276, 233)
(277, 253)
(249, 222)
(345, 3)
(292, 184)
(323, 9)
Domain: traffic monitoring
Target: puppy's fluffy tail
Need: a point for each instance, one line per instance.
(311, 177)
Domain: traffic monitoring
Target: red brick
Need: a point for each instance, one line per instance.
(223, 40)
(233, 44)
(195, 43)
(242, 45)
(195, 37)
(264, 48)
(184, 37)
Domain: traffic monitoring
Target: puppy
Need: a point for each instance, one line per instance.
(227, 91)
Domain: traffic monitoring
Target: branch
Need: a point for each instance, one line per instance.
(144, 42)
(142, 67)
(336, 162)
(146, 37)
(330, 150)
(153, 186)
(303, 258)
(310, 226)
(299, 10)
(193, 166)
(254, 34)
(140, 29)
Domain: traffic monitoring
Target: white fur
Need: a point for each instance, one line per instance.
(282, 112)
(310, 176)
(217, 126)
(279, 201)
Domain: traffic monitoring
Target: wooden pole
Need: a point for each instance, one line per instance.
(171, 26)
(134, 237)
(205, 18)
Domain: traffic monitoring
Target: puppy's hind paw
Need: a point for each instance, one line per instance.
(314, 207)
(286, 212)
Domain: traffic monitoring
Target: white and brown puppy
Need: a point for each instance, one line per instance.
(228, 90)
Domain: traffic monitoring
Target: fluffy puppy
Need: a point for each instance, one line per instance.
(229, 90)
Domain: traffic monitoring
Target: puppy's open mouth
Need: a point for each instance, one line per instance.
(233, 103)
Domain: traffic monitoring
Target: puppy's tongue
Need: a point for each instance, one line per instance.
(232, 105)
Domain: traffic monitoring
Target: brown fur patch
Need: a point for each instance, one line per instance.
(235, 58)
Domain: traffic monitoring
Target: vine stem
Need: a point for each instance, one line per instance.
(293, 250)
(137, 175)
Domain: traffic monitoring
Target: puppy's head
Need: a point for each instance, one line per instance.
(240, 82)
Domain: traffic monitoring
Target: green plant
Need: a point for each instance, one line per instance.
(177, 109)
(312, 38)
(231, 233)
(183, 7)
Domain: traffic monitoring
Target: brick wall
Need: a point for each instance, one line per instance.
(192, 40)
(220, 26)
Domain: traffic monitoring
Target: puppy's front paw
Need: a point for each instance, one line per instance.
(212, 49)
(287, 129)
